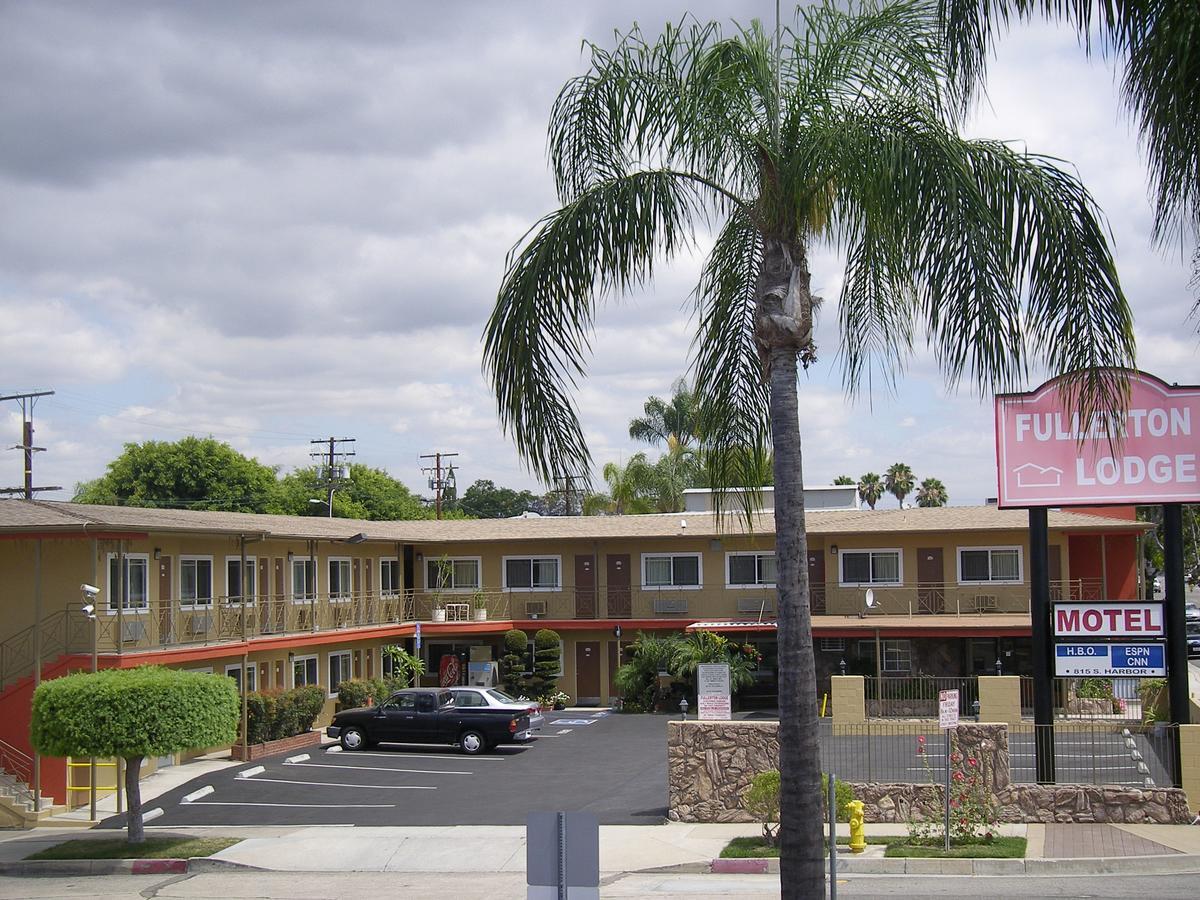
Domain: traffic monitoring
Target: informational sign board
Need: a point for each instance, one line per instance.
(947, 709)
(1092, 620)
(1109, 660)
(1047, 456)
(417, 637)
(712, 688)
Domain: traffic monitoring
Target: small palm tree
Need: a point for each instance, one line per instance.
(899, 481)
(932, 493)
(870, 488)
(843, 480)
(840, 131)
(630, 489)
(673, 423)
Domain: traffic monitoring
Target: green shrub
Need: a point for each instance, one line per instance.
(547, 662)
(512, 663)
(357, 692)
(310, 700)
(281, 714)
(406, 668)
(637, 679)
(260, 715)
(761, 800)
(1156, 702)
(1095, 689)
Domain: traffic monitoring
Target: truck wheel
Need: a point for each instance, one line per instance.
(353, 739)
(472, 743)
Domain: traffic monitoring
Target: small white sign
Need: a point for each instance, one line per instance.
(947, 709)
(712, 691)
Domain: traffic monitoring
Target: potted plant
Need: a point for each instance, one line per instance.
(557, 700)
(439, 610)
(479, 606)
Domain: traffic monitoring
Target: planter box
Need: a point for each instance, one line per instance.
(283, 745)
(439, 615)
(481, 615)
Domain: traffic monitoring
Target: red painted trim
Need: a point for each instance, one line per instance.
(72, 535)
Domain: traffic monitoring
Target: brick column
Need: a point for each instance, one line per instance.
(1000, 699)
(848, 694)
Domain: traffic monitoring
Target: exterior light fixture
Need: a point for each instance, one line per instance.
(683, 707)
(833, 549)
(842, 666)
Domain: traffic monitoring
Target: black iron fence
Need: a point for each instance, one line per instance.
(916, 697)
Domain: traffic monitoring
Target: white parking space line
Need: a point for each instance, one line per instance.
(447, 757)
(250, 773)
(301, 805)
(378, 787)
(376, 769)
(196, 795)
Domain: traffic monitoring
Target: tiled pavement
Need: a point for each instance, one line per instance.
(1086, 841)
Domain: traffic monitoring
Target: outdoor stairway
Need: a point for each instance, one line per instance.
(17, 807)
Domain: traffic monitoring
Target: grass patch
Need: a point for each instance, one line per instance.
(151, 848)
(755, 847)
(999, 848)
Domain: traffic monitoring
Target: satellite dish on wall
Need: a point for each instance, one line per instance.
(870, 598)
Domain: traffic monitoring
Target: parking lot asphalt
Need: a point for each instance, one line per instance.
(614, 766)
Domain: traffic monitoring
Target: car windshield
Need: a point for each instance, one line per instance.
(501, 696)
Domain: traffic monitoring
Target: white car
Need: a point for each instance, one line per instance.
(497, 699)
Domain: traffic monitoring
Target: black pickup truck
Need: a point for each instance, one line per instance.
(426, 716)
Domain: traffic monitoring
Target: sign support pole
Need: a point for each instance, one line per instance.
(1176, 620)
(1039, 613)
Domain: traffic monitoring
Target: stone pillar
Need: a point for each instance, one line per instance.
(848, 694)
(1189, 763)
(1000, 699)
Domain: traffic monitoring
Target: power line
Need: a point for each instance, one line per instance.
(337, 470)
(28, 401)
(569, 489)
(437, 481)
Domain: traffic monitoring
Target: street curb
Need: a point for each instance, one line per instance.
(60, 868)
(1175, 864)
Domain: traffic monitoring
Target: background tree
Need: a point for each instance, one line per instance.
(870, 488)
(1154, 543)
(132, 714)
(637, 678)
(483, 500)
(899, 481)
(699, 647)
(932, 493)
(369, 493)
(844, 480)
(1159, 45)
(191, 473)
(840, 130)
(630, 489)
(671, 423)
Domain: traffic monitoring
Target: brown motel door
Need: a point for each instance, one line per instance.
(931, 589)
(585, 587)
(816, 582)
(587, 672)
(620, 599)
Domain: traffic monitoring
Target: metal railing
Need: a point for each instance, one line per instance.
(916, 696)
(1094, 753)
(911, 753)
(18, 767)
(941, 598)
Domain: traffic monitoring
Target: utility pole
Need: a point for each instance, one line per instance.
(332, 458)
(437, 481)
(28, 401)
(568, 489)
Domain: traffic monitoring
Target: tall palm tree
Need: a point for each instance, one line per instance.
(870, 489)
(631, 489)
(932, 493)
(899, 481)
(839, 131)
(673, 423)
(1158, 42)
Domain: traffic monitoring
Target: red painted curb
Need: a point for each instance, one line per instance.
(739, 866)
(160, 867)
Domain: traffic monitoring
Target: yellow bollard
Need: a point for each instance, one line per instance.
(858, 842)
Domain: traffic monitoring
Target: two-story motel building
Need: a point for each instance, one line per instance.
(313, 600)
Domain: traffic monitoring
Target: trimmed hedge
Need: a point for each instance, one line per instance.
(356, 692)
(271, 715)
(147, 711)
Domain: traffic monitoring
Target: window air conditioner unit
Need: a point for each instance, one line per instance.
(535, 609)
(200, 623)
(755, 605)
(985, 603)
(670, 605)
(133, 632)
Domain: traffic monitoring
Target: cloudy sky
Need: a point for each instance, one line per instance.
(274, 222)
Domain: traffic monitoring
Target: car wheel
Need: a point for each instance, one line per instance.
(353, 739)
(472, 743)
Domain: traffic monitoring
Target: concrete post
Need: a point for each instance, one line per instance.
(848, 694)
(1000, 699)
(1189, 763)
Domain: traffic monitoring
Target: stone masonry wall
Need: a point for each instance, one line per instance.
(710, 765)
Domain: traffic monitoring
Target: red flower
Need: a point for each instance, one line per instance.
(958, 776)
(920, 749)
(920, 739)
(972, 762)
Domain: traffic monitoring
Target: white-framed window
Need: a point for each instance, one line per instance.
(340, 585)
(304, 671)
(897, 657)
(304, 579)
(993, 565)
(137, 581)
(532, 573)
(750, 570)
(235, 672)
(390, 582)
(236, 582)
(195, 580)
(871, 566)
(341, 668)
(457, 573)
(672, 571)
(531, 655)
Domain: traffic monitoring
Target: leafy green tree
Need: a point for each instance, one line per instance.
(637, 678)
(844, 480)
(1154, 543)
(1159, 45)
(630, 489)
(932, 493)
(483, 500)
(842, 131)
(700, 647)
(870, 488)
(191, 473)
(369, 493)
(132, 714)
(899, 481)
(673, 423)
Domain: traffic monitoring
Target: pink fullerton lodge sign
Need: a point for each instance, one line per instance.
(1047, 457)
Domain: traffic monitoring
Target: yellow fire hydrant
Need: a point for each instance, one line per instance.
(858, 841)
